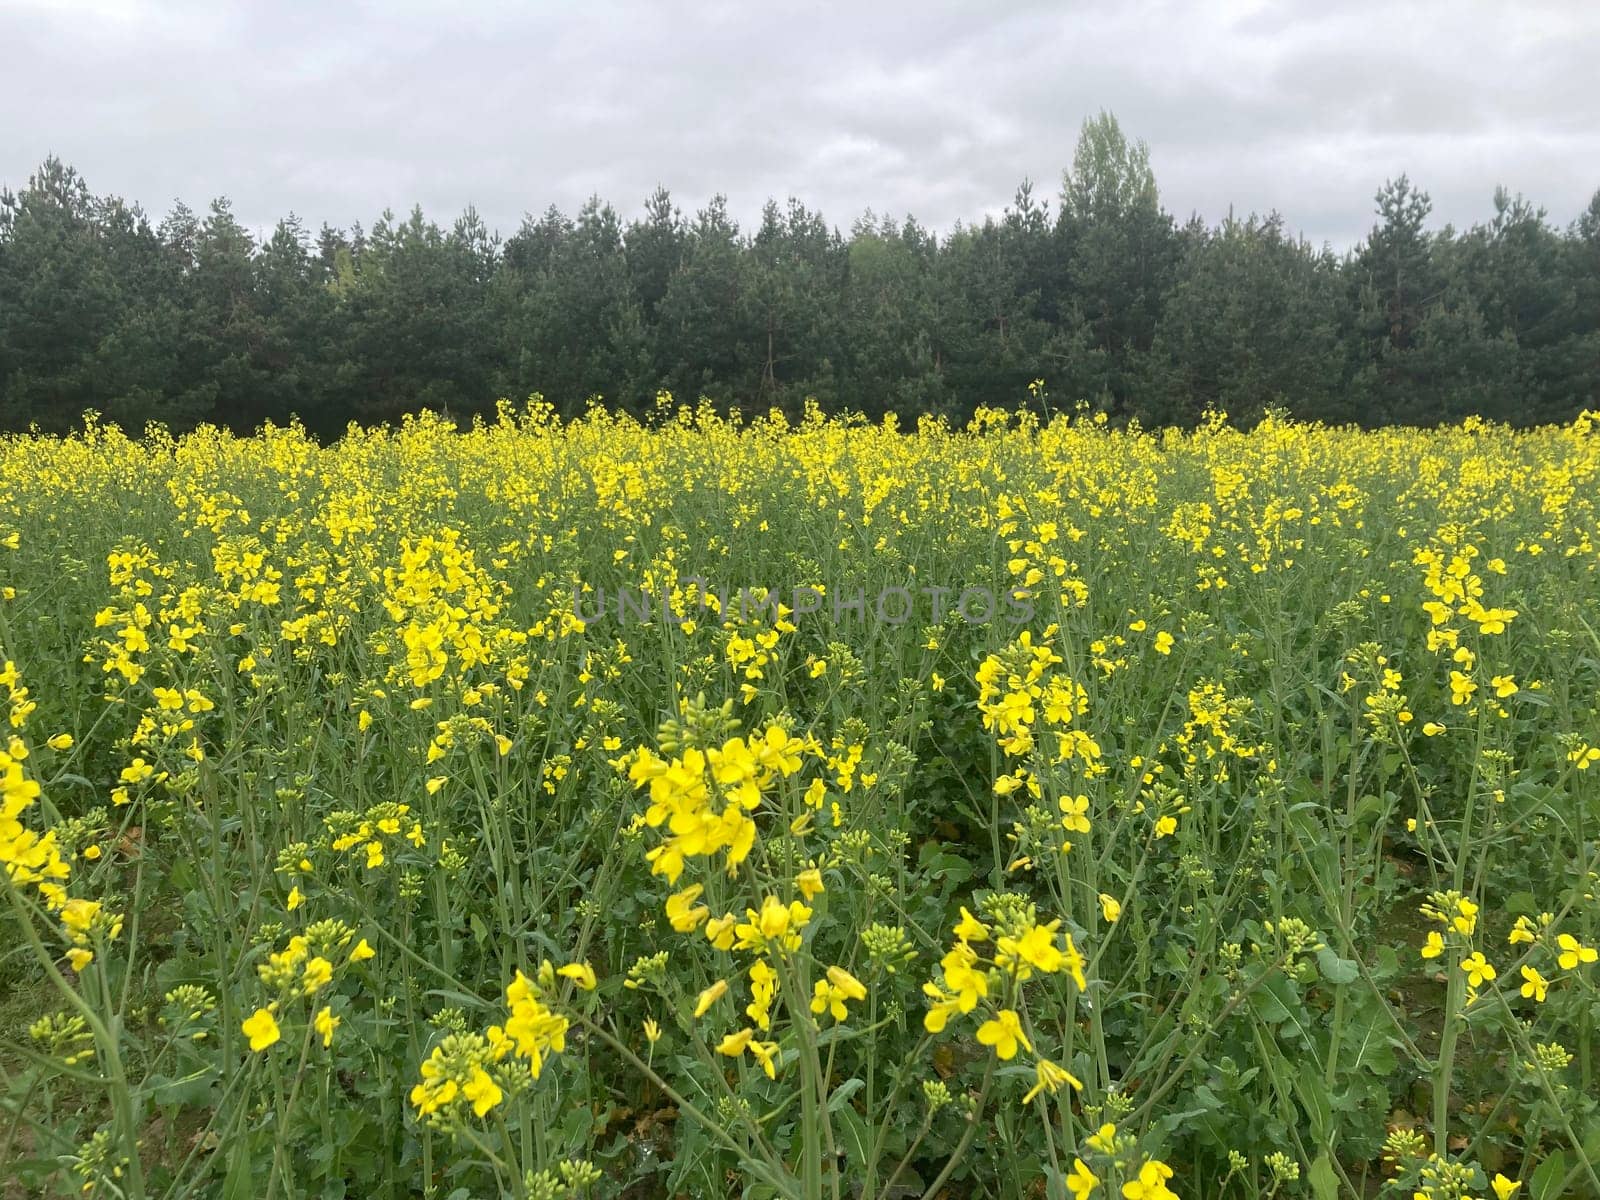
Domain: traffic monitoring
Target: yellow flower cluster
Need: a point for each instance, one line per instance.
(1022, 946)
(705, 797)
(1020, 695)
(305, 967)
(470, 1070)
(29, 857)
(1144, 1178)
(35, 860)
(374, 833)
(440, 601)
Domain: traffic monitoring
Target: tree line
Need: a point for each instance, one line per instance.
(1098, 290)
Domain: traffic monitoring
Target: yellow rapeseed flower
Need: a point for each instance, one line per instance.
(261, 1029)
(710, 996)
(1004, 1032)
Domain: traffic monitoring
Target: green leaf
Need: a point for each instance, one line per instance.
(1313, 1094)
(1547, 1180)
(1375, 1051)
(842, 1093)
(854, 1137)
(1274, 1001)
(576, 1129)
(193, 1090)
(236, 1184)
(1521, 903)
(1336, 970)
(1385, 964)
(1368, 808)
(1591, 1140)
(1323, 1179)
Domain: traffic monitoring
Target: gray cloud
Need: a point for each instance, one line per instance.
(337, 110)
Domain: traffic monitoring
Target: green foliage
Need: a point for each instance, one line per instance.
(198, 320)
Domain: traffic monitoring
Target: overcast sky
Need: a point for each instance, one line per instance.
(337, 110)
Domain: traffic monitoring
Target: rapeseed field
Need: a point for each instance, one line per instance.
(801, 808)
